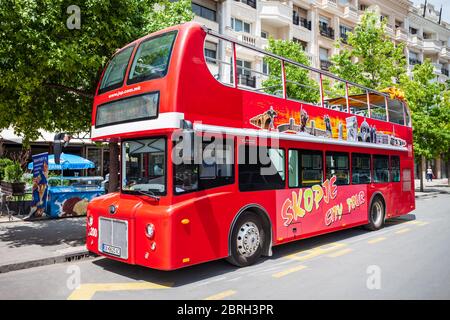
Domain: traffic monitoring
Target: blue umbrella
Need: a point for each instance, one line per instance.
(67, 162)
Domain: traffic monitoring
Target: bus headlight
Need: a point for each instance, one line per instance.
(150, 230)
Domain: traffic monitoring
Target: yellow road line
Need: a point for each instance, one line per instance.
(221, 295)
(376, 240)
(315, 252)
(402, 230)
(415, 222)
(288, 271)
(340, 253)
(87, 291)
(421, 224)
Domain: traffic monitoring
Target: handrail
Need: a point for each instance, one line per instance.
(322, 72)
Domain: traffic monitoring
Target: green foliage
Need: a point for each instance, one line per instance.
(4, 162)
(430, 107)
(373, 60)
(299, 85)
(49, 73)
(13, 173)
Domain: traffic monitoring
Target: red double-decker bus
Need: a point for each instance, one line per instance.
(228, 150)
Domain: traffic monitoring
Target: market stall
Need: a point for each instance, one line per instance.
(69, 196)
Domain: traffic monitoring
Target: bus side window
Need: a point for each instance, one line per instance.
(216, 169)
(338, 165)
(217, 166)
(395, 168)
(261, 169)
(311, 168)
(381, 168)
(361, 168)
(294, 176)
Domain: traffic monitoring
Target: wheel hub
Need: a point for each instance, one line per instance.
(376, 213)
(248, 239)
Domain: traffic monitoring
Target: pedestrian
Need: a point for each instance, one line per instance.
(429, 174)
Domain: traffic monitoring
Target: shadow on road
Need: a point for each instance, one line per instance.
(209, 270)
(44, 232)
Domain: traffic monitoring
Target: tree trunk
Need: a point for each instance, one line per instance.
(421, 173)
(113, 167)
(448, 170)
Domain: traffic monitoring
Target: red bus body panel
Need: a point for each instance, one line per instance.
(190, 89)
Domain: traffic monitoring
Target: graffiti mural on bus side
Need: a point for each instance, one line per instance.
(306, 200)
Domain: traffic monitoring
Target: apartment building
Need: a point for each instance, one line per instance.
(316, 25)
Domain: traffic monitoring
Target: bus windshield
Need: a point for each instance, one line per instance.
(152, 58)
(144, 165)
(115, 71)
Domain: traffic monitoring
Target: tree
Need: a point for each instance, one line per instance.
(430, 108)
(373, 60)
(50, 69)
(299, 84)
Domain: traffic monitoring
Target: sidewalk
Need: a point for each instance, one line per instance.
(437, 186)
(35, 243)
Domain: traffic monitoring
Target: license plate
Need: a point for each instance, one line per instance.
(115, 251)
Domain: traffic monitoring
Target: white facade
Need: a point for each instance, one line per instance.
(317, 24)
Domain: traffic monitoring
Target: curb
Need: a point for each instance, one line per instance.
(68, 257)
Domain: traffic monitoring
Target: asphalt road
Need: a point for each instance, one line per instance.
(408, 259)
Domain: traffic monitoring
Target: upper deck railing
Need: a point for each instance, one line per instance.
(363, 100)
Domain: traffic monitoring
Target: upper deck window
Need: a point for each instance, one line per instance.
(115, 71)
(152, 58)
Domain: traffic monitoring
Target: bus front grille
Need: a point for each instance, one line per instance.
(113, 237)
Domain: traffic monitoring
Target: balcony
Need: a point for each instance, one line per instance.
(275, 13)
(401, 35)
(326, 31)
(445, 53)
(351, 12)
(247, 38)
(437, 68)
(251, 3)
(302, 22)
(330, 5)
(415, 41)
(246, 80)
(390, 30)
(431, 46)
(325, 64)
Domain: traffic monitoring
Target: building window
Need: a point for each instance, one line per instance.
(261, 169)
(302, 43)
(343, 29)
(244, 70)
(338, 165)
(204, 12)
(239, 25)
(325, 64)
(324, 27)
(264, 35)
(210, 52)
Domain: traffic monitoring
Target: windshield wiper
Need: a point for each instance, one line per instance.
(148, 194)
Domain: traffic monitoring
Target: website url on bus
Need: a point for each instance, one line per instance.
(122, 92)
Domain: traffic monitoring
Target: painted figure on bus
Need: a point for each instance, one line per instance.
(272, 114)
(303, 120)
(328, 128)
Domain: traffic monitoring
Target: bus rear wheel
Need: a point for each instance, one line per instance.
(247, 240)
(376, 214)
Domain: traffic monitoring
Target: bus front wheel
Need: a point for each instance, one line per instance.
(247, 240)
(376, 214)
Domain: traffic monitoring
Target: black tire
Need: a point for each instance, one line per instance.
(376, 214)
(246, 225)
